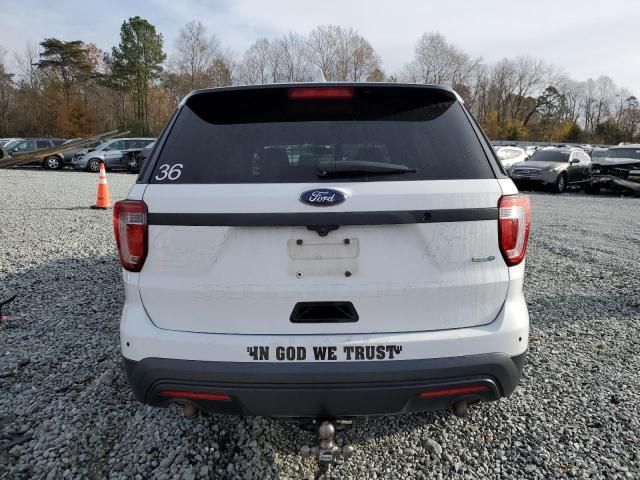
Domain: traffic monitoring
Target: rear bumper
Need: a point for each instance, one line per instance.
(340, 389)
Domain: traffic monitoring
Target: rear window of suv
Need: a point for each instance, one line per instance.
(263, 136)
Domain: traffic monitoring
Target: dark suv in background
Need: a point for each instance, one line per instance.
(553, 167)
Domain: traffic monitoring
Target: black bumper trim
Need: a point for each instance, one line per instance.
(341, 389)
(322, 218)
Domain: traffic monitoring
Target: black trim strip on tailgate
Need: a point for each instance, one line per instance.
(322, 218)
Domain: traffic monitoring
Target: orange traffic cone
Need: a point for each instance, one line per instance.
(103, 201)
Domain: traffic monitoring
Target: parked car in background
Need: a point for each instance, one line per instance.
(134, 159)
(554, 167)
(587, 148)
(110, 153)
(28, 145)
(12, 143)
(619, 169)
(510, 155)
(5, 141)
(64, 158)
(598, 152)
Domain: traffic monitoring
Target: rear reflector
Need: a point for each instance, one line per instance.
(320, 93)
(447, 392)
(220, 397)
(514, 224)
(130, 230)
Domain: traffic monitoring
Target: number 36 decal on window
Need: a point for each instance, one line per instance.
(169, 172)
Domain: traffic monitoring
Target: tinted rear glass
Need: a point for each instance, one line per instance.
(262, 136)
(550, 156)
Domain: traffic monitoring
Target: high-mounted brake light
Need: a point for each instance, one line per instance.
(221, 397)
(130, 230)
(320, 93)
(514, 223)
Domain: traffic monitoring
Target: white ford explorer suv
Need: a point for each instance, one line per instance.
(323, 251)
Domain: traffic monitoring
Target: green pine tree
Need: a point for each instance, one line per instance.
(137, 62)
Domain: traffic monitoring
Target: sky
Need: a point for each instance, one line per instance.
(584, 38)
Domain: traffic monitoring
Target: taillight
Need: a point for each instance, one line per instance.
(130, 229)
(320, 93)
(514, 223)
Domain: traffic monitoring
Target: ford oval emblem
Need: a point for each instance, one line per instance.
(322, 197)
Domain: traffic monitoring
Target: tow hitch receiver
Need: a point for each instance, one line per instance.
(327, 451)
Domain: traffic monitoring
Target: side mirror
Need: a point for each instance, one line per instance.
(107, 149)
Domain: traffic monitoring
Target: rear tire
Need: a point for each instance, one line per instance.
(52, 163)
(561, 183)
(93, 165)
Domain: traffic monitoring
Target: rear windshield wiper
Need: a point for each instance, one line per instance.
(330, 167)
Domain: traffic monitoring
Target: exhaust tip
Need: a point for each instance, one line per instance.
(189, 410)
(461, 409)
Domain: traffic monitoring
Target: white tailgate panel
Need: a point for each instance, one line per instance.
(247, 280)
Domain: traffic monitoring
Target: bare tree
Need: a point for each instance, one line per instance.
(573, 94)
(196, 53)
(365, 61)
(512, 98)
(605, 91)
(293, 54)
(30, 81)
(199, 61)
(342, 53)
(6, 93)
(256, 61)
(589, 103)
(438, 62)
(323, 49)
(619, 103)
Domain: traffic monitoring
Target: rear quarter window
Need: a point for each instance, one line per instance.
(550, 156)
(262, 136)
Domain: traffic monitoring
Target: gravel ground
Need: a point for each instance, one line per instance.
(61, 382)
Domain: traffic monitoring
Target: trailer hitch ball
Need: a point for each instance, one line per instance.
(327, 431)
(327, 451)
